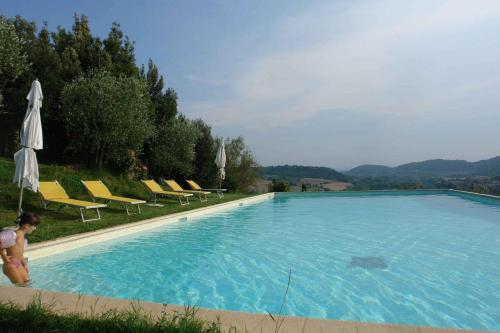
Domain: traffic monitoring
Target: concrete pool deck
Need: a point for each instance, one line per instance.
(229, 320)
(241, 321)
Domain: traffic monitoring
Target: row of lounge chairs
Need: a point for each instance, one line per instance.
(53, 193)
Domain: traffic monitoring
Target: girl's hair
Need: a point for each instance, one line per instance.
(29, 218)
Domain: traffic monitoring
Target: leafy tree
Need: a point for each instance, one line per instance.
(165, 109)
(204, 155)
(13, 60)
(121, 51)
(90, 49)
(170, 104)
(165, 103)
(13, 63)
(14, 90)
(173, 151)
(106, 118)
(241, 168)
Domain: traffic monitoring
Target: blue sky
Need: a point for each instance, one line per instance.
(330, 83)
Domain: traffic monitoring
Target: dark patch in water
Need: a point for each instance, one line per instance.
(368, 262)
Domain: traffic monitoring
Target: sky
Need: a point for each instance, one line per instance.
(323, 83)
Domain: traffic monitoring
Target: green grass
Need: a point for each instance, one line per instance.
(58, 223)
(36, 317)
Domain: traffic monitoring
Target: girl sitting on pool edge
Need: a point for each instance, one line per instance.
(12, 246)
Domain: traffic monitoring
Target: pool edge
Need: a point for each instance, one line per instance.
(241, 321)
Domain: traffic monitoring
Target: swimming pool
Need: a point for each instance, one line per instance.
(423, 258)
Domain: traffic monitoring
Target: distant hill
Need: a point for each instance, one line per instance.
(431, 168)
(297, 172)
(371, 170)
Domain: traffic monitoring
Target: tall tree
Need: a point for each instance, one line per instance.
(173, 152)
(121, 50)
(14, 90)
(89, 49)
(241, 168)
(204, 155)
(13, 63)
(165, 102)
(165, 110)
(13, 60)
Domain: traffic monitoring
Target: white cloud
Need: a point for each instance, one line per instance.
(203, 80)
(380, 57)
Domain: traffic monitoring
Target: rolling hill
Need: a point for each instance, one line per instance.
(297, 172)
(431, 168)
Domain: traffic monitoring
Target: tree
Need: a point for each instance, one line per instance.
(13, 60)
(121, 51)
(90, 50)
(165, 102)
(173, 150)
(279, 186)
(241, 168)
(14, 90)
(165, 109)
(204, 155)
(107, 118)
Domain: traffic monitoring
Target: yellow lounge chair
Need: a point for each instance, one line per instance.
(98, 190)
(196, 187)
(53, 192)
(156, 189)
(202, 195)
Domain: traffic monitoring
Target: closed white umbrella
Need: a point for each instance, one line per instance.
(220, 161)
(26, 174)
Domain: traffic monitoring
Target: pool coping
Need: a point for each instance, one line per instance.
(491, 196)
(430, 190)
(230, 321)
(242, 321)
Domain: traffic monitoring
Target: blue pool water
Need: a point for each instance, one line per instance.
(425, 258)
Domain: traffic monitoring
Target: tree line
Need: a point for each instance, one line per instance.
(101, 109)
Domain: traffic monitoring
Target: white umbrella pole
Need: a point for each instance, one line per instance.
(19, 208)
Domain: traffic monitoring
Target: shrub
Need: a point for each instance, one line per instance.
(106, 117)
(279, 186)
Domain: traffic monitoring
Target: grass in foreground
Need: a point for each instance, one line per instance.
(58, 223)
(36, 317)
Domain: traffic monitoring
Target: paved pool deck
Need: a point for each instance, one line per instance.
(229, 320)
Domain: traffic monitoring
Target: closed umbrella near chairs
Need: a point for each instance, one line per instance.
(220, 161)
(26, 174)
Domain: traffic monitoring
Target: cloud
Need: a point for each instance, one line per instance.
(206, 81)
(379, 57)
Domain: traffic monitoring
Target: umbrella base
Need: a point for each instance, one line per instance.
(154, 205)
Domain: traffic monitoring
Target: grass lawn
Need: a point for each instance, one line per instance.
(37, 317)
(57, 223)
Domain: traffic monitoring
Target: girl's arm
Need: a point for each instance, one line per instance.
(25, 264)
(5, 258)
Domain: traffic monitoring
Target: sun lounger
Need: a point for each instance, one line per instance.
(53, 192)
(98, 190)
(202, 195)
(194, 186)
(156, 190)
